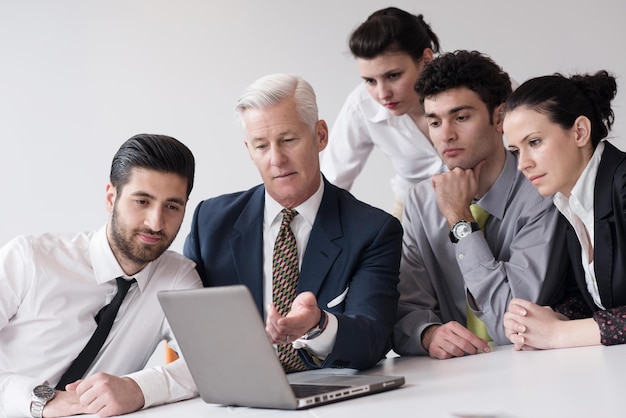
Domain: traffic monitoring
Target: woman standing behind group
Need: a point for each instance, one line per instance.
(556, 125)
(391, 48)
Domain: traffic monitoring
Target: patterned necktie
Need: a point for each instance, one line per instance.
(473, 323)
(104, 318)
(284, 281)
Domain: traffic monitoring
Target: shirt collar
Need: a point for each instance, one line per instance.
(584, 188)
(308, 209)
(493, 201)
(105, 265)
(380, 115)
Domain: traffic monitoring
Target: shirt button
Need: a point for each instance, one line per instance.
(461, 256)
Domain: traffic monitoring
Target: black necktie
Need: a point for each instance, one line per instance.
(104, 318)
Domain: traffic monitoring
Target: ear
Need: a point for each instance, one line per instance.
(427, 55)
(498, 117)
(321, 135)
(581, 129)
(110, 196)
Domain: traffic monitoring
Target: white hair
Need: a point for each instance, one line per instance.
(271, 89)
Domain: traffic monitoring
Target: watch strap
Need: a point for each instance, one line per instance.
(40, 397)
(319, 328)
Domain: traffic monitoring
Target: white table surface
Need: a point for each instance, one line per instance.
(575, 382)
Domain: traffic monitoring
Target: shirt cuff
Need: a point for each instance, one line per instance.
(152, 384)
(323, 344)
(17, 395)
(170, 383)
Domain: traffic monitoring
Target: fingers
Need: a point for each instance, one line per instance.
(513, 325)
(454, 340)
(521, 306)
(71, 387)
(271, 326)
(303, 315)
(282, 330)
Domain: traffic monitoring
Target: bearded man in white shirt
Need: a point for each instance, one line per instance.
(52, 287)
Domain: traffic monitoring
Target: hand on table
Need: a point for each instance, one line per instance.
(530, 326)
(452, 340)
(101, 394)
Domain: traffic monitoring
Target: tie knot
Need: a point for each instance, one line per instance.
(480, 215)
(123, 285)
(288, 215)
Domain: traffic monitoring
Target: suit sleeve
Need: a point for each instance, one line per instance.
(365, 325)
(191, 248)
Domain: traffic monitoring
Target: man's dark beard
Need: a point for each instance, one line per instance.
(138, 254)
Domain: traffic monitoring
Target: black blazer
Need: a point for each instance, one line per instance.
(352, 261)
(610, 233)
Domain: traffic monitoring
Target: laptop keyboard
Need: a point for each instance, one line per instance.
(304, 391)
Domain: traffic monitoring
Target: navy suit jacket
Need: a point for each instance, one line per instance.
(354, 249)
(610, 233)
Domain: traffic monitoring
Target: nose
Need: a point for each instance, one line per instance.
(154, 218)
(523, 162)
(383, 91)
(277, 156)
(445, 133)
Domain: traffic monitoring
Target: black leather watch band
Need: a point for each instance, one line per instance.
(318, 329)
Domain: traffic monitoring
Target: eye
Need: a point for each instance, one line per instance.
(173, 207)
(462, 118)
(370, 81)
(534, 142)
(394, 76)
(434, 123)
(141, 202)
(260, 147)
(514, 151)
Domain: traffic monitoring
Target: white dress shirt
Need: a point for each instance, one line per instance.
(363, 124)
(301, 227)
(578, 210)
(51, 288)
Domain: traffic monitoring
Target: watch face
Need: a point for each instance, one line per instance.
(462, 229)
(44, 392)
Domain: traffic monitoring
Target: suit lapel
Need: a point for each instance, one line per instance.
(604, 223)
(577, 263)
(322, 249)
(247, 246)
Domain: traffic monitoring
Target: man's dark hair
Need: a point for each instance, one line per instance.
(469, 69)
(153, 152)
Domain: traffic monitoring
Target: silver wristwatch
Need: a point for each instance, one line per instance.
(41, 395)
(462, 229)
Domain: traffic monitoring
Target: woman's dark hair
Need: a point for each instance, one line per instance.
(392, 30)
(564, 99)
(153, 152)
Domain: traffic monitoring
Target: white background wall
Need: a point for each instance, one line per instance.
(79, 77)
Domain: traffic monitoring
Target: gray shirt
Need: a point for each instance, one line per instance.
(521, 254)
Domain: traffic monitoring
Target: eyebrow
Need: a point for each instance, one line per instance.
(176, 200)
(452, 111)
(289, 132)
(385, 74)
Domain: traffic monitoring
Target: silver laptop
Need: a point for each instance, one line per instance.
(222, 338)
